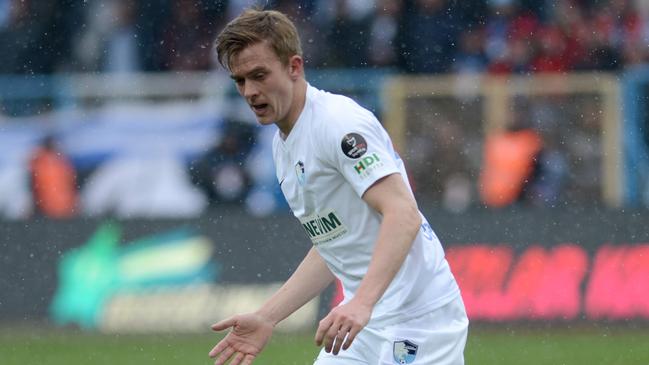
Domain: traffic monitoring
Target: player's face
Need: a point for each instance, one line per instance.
(266, 84)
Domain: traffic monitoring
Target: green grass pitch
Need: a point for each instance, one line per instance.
(501, 345)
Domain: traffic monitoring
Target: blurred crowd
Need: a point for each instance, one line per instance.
(173, 168)
(417, 36)
(551, 149)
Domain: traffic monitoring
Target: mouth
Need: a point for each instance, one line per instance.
(259, 108)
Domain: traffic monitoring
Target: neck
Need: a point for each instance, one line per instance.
(297, 105)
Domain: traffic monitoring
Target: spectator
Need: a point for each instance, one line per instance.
(53, 181)
(551, 51)
(429, 37)
(188, 38)
(221, 173)
(470, 62)
(383, 33)
(17, 37)
(549, 177)
(603, 54)
(349, 31)
(501, 13)
(110, 44)
(152, 20)
(570, 19)
(121, 48)
(301, 12)
(418, 36)
(510, 159)
(34, 35)
(471, 57)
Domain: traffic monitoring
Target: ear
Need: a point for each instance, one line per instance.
(296, 67)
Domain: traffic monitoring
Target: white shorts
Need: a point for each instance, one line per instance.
(435, 338)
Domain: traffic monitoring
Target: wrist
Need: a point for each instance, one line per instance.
(267, 317)
(361, 301)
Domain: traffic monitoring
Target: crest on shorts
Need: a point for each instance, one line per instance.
(353, 145)
(404, 352)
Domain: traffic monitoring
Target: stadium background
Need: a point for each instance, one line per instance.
(177, 220)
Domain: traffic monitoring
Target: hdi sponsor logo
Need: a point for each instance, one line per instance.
(366, 163)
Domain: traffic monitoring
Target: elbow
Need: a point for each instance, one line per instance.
(410, 220)
(416, 220)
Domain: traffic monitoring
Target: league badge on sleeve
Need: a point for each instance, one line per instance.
(353, 145)
(404, 352)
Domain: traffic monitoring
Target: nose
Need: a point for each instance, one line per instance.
(250, 90)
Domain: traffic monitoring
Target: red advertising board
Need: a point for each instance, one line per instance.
(562, 283)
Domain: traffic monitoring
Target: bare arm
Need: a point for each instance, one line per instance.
(401, 221)
(310, 278)
(250, 332)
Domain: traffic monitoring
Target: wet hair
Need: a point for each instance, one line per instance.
(254, 26)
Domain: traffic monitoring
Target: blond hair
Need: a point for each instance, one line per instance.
(254, 26)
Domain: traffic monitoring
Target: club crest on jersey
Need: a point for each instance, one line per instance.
(404, 352)
(353, 145)
(299, 172)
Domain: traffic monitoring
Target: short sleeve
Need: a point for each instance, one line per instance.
(360, 149)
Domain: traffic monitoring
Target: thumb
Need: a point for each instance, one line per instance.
(224, 324)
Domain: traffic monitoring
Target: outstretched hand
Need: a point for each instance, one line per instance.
(343, 323)
(248, 336)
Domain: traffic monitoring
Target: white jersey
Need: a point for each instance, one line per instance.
(334, 153)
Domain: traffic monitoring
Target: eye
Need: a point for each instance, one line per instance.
(239, 81)
(259, 76)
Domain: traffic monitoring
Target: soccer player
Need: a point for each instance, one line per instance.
(348, 187)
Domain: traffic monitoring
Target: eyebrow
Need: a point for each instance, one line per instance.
(253, 71)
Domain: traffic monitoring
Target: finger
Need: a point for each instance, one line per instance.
(324, 325)
(218, 348)
(338, 341)
(351, 336)
(224, 324)
(236, 360)
(225, 355)
(330, 336)
(248, 359)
